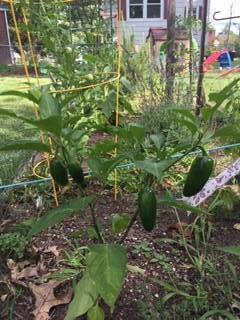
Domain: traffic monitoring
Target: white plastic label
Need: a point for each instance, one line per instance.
(214, 184)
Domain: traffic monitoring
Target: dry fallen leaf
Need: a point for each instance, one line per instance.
(52, 249)
(45, 298)
(183, 229)
(237, 226)
(21, 270)
(5, 223)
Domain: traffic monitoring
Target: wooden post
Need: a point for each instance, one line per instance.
(201, 62)
(170, 59)
(190, 17)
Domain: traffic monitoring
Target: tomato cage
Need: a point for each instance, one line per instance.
(70, 34)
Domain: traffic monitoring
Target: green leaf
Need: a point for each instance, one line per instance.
(192, 127)
(21, 94)
(109, 104)
(153, 167)
(167, 201)
(85, 296)
(26, 145)
(136, 131)
(120, 222)
(59, 214)
(103, 147)
(52, 124)
(102, 167)
(231, 131)
(231, 250)
(135, 269)
(158, 140)
(211, 313)
(48, 105)
(126, 84)
(5, 112)
(132, 133)
(106, 264)
(96, 313)
(226, 93)
(185, 113)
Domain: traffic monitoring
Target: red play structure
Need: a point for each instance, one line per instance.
(212, 59)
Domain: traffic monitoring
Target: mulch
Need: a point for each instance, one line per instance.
(135, 284)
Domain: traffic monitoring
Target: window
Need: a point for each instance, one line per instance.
(196, 13)
(136, 9)
(145, 9)
(153, 9)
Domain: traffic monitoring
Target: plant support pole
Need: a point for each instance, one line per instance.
(201, 62)
(190, 15)
(170, 59)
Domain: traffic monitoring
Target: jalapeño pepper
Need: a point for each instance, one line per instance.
(147, 208)
(76, 173)
(198, 175)
(58, 172)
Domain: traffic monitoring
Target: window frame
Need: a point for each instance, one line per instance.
(145, 5)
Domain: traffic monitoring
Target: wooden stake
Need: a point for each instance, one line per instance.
(170, 59)
(201, 62)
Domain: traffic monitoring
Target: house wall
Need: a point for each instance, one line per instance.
(140, 28)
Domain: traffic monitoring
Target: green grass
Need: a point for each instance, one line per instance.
(12, 130)
(214, 83)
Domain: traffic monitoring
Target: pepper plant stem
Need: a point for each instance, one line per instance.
(131, 223)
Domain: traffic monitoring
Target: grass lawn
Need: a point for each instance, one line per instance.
(12, 130)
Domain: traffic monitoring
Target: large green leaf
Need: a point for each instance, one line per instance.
(185, 113)
(231, 131)
(226, 93)
(26, 145)
(134, 132)
(96, 313)
(103, 147)
(103, 167)
(21, 94)
(231, 250)
(155, 168)
(48, 105)
(85, 296)
(52, 124)
(59, 214)
(192, 127)
(106, 264)
(179, 204)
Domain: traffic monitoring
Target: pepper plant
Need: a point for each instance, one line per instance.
(106, 261)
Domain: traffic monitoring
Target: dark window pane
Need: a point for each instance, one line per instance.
(153, 11)
(194, 13)
(136, 1)
(136, 12)
(154, 1)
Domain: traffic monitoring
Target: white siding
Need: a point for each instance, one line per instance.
(140, 28)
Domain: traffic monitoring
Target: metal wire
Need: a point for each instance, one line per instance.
(122, 166)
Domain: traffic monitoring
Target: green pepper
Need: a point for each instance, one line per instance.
(147, 208)
(77, 174)
(58, 172)
(198, 175)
